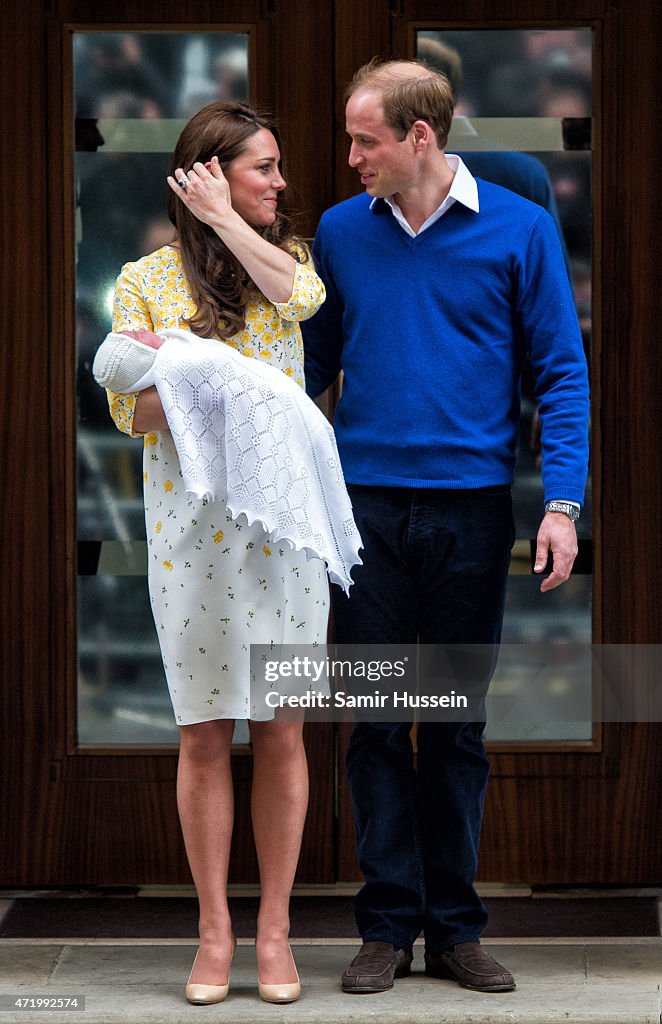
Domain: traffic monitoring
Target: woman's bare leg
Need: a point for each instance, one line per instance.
(279, 803)
(206, 811)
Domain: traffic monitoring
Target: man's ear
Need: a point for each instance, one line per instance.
(421, 131)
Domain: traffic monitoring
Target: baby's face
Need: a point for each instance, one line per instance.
(145, 337)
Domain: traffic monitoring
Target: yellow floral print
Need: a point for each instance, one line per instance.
(153, 293)
(206, 568)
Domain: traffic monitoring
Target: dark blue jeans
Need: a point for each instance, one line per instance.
(435, 566)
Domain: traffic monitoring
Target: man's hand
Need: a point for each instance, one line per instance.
(556, 534)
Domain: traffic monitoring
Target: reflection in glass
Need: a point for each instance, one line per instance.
(523, 120)
(133, 92)
(157, 74)
(514, 72)
(121, 685)
(560, 618)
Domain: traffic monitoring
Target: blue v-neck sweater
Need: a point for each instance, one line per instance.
(431, 333)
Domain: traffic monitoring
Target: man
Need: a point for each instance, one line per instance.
(438, 285)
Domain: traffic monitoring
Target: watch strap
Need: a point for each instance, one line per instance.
(568, 508)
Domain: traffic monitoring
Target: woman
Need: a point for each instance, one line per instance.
(233, 272)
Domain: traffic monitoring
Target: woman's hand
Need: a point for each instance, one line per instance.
(148, 414)
(207, 196)
(205, 192)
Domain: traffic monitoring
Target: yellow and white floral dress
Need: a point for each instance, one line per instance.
(217, 584)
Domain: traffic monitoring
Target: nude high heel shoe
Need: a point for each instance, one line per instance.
(287, 992)
(203, 995)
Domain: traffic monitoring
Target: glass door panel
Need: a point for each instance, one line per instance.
(523, 120)
(133, 92)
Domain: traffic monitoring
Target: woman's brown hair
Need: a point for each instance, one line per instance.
(219, 285)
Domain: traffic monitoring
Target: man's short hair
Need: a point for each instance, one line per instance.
(411, 91)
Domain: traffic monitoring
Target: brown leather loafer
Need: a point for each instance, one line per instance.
(375, 966)
(471, 966)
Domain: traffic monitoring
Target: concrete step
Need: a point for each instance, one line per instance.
(569, 981)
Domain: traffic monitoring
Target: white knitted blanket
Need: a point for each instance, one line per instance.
(248, 435)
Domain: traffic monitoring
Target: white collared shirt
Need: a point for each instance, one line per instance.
(463, 190)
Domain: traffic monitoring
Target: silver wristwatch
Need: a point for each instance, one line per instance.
(568, 509)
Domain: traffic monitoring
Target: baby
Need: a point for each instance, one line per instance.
(246, 434)
(124, 361)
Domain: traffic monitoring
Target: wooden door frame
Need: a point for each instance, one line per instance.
(609, 791)
(90, 806)
(41, 823)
